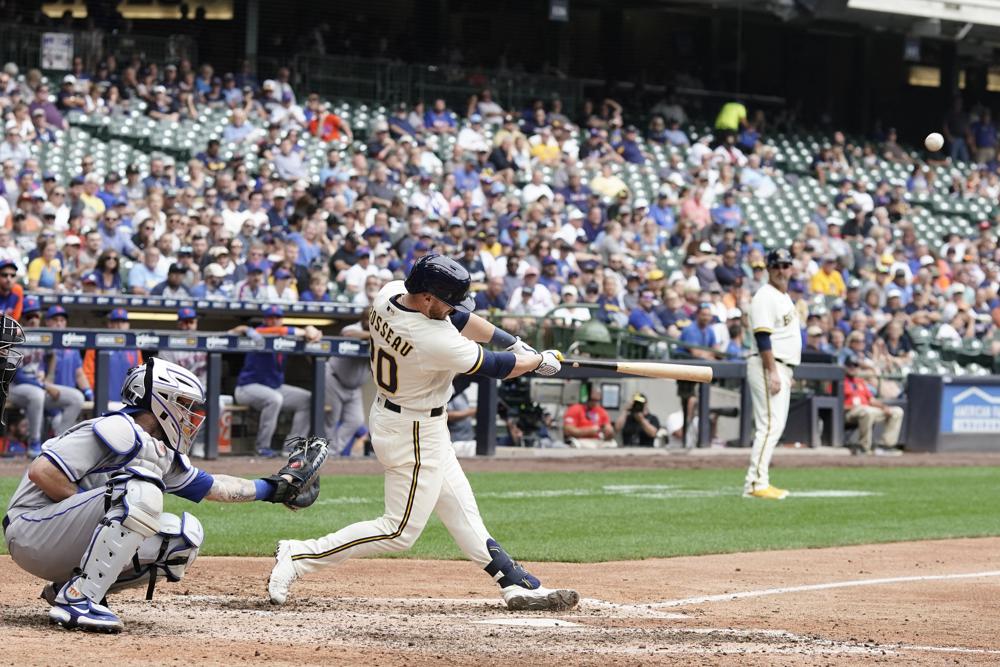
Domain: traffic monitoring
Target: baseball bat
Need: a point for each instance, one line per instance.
(649, 369)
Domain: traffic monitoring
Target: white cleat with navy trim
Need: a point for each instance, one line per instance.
(283, 573)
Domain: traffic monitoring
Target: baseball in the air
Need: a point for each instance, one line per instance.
(934, 141)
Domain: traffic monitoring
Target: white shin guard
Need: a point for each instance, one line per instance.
(133, 515)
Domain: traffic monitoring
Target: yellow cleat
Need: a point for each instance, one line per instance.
(769, 493)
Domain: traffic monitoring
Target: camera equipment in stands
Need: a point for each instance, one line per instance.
(529, 417)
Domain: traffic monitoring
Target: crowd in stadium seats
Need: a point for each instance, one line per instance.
(653, 230)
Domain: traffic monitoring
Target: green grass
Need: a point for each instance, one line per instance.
(581, 517)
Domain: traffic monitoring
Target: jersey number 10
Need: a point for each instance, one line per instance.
(385, 364)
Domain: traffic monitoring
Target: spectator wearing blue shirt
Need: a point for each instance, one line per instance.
(440, 119)
(662, 212)
(493, 297)
(629, 149)
(576, 193)
(306, 240)
(643, 319)
(984, 135)
(675, 135)
(399, 123)
(467, 178)
(116, 237)
(261, 383)
(729, 213)
(700, 333)
(147, 274)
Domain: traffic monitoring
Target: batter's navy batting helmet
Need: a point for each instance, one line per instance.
(443, 277)
(779, 256)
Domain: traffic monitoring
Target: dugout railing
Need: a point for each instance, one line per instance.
(105, 341)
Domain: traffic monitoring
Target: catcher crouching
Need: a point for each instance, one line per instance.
(88, 514)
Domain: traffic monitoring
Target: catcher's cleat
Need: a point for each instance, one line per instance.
(71, 610)
(519, 598)
(768, 493)
(283, 573)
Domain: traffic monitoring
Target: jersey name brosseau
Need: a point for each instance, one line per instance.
(414, 358)
(773, 311)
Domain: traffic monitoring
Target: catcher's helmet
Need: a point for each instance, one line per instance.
(444, 278)
(778, 256)
(173, 394)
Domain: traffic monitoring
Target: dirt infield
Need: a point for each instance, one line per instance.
(707, 610)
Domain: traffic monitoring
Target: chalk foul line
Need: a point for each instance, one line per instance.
(726, 597)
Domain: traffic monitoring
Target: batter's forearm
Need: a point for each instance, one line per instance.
(478, 329)
(525, 363)
(227, 489)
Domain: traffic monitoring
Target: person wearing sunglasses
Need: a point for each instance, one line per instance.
(777, 350)
(11, 294)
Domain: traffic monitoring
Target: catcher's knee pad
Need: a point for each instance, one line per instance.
(505, 570)
(143, 504)
(182, 538)
(166, 555)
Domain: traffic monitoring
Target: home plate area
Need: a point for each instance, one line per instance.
(905, 603)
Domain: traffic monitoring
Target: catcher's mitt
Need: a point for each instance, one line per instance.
(307, 457)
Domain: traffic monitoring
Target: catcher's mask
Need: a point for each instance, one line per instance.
(11, 336)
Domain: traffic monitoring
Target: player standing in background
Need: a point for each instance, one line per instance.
(777, 350)
(422, 335)
(345, 378)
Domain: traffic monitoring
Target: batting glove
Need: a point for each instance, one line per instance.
(520, 347)
(550, 363)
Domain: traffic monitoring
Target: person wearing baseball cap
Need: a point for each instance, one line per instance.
(261, 383)
(253, 287)
(32, 391)
(11, 294)
(776, 350)
(282, 290)
(69, 366)
(121, 360)
(196, 362)
(173, 287)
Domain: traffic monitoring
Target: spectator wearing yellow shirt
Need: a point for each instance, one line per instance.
(45, 271)
(544, 147)
(827, 280)
(93, 206)
(731, 119)
(607, 184)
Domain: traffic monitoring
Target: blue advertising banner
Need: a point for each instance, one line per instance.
(970, 409)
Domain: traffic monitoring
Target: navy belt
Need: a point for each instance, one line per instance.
(6, 522)
(389, 405)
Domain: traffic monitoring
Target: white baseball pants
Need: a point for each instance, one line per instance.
(770, 412)
(422, 475)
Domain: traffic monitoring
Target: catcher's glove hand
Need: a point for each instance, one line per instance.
(307, 457)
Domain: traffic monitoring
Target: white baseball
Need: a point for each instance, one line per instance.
(934, 141)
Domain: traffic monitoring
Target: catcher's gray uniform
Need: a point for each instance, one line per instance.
(119, 470)
(345, 376)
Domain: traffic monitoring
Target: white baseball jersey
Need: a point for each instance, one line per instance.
(773, 312)
(414, 358)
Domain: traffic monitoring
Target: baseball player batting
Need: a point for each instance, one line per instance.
(88, 514)
(422, 335)
(777, 350)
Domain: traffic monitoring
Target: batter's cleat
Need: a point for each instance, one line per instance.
(768, 493)
(519, 598)
(71, 610)
(266, 453)
(283, 573)
(34, 450)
